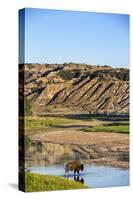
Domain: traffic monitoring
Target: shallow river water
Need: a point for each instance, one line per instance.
(93, 176)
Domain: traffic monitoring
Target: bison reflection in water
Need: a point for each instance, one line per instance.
(74, 166)
(79, 179)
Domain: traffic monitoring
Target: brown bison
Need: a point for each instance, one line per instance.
(75, 166)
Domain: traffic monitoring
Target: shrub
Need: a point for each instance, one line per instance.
(28, 110)
(68, 75)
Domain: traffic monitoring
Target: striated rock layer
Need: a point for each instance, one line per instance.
(71, 87)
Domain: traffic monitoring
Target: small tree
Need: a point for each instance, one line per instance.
(28, 110)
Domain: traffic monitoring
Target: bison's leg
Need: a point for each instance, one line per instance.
(78, 172)
(66, 172)
(75, 172)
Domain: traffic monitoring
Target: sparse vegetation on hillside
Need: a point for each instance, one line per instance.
(25, 107)
(68, 74)
(79, 87)
(28, 108)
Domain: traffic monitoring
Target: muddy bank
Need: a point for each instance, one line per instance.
(47, 153)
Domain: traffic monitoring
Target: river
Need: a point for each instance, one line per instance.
(93, 176)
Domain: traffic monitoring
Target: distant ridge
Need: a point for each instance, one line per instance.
(76, 87)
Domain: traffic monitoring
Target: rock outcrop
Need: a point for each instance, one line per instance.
(76, 87)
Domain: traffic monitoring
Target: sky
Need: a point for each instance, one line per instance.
(56, 36)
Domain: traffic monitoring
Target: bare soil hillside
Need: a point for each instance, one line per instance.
(76, 87)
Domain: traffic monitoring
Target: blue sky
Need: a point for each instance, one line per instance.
(54, 36)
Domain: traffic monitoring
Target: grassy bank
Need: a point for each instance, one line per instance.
(117, 127)
(40, 122)
(37, 182)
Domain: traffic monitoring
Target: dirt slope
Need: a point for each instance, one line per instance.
(76, 87)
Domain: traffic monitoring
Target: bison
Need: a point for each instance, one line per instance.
(75, 166)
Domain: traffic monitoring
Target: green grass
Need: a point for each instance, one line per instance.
(40, 122)
(117, 127)
(38, 182)
(28, 108)
(120, 123)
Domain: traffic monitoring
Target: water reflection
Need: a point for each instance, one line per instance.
(93, 176)
(77, 178)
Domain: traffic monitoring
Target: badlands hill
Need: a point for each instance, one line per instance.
(71, 87)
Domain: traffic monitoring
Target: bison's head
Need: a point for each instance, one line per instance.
(82, 167)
